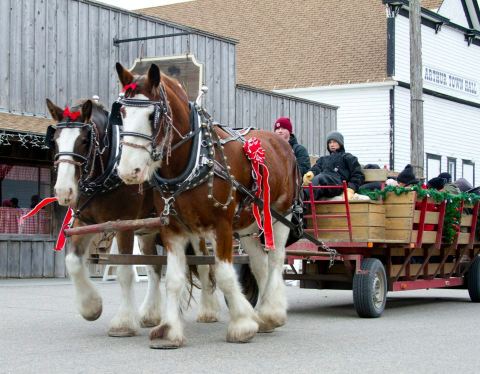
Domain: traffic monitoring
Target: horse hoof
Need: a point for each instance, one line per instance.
(165, 344)
(149, 322)
(121, 333)
(95, 316)
(163, 337)
(270, 323)
(207, 318)
(242, 331)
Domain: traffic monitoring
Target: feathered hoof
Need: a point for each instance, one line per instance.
(270, 322)
(149, 321)
(92, 314)
(242, 330)
(121, 332)
(165, 344)
(207, 318)
(161, 338)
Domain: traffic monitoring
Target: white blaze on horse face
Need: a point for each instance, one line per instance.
(66, 186)
(133, 167)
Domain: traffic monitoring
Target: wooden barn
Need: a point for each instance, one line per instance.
(65, 50)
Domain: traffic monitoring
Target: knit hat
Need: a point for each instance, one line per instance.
(407, 176)
(447, 176)
(438, 183)
(335, 135)
(284, 123)
(463, 185)
(371, 166)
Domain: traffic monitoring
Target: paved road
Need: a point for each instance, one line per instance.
(434, 331)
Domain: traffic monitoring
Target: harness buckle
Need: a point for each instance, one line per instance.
(164, 217)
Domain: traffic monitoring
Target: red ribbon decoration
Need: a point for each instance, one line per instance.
(65, 225)
(256, 154)
(131, 86)
(72, 115)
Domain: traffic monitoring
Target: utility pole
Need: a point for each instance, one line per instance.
(416, 90)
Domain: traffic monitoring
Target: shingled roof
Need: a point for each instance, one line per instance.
(285, 44)
(21, 123)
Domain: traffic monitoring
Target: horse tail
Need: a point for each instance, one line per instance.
(193, 271)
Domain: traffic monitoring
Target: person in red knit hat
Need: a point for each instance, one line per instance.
(283, 128)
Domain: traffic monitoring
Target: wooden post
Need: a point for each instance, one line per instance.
(416, 90)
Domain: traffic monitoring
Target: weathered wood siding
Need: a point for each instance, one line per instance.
(311, 120)
(27, 257)
(63, 50)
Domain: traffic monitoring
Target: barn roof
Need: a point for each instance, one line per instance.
(24, 123)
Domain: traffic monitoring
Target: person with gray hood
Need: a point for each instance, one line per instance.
(334, 168)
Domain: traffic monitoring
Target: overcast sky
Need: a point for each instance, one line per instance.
(138, 4)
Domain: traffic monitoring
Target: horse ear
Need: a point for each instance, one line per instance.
(124, 75)
(55, 111)
(154, 76)
(87, 110)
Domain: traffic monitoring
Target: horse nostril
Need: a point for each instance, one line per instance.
(70, 190)
(137, 170)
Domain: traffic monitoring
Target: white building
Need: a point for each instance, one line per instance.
(375, 117)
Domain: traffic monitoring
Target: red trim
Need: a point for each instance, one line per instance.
(427, 283)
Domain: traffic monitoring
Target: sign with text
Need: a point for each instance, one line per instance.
(450, 80)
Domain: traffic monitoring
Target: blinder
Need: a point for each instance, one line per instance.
(49, 136)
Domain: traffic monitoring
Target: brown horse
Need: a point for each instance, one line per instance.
(158, 137)
(85, 149)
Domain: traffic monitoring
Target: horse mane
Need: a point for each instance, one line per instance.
(175, 86)
(77, 105)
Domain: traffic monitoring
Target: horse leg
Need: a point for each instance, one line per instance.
(150, 314)
(125, 322)
(209, 306)
(257, 257)
(243, 321)
(88, 300)
(169, 334)
(272, 308)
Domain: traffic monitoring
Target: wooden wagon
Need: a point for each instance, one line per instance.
(395, 244)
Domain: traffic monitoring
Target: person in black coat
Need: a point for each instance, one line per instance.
(338, 166)
(283, 128)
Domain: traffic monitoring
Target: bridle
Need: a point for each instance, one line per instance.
(160, 142)
(86, 164)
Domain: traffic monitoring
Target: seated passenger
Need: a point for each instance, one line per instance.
(283, 128)
(333, 169)
(407, 177)
(443, 183)
(463, 185)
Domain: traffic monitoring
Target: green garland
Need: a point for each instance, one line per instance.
(451, 223)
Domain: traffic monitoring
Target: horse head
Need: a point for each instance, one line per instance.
(75, 141)
(155, 115)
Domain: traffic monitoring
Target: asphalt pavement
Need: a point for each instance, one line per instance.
(428, 331)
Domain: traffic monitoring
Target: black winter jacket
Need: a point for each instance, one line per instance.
(301, 154)
(342, 164)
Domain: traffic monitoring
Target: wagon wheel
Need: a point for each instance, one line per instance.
(247, 282)
(473, 280)
(370, 289)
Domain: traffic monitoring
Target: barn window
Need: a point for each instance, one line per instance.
(21, 188)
